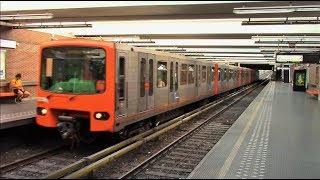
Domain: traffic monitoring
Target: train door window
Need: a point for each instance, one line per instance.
(121, 78)
(184, 74)
(150, 77)
(191, 74)
(219, 74)
(230, 74)
(162, 74)
(142, 77)
(213, 74)
(171, 76)
(176, 76)
(204, 74)
(225, 74)
(209, 78)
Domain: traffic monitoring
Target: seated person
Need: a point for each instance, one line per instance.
(17, 88)
(161, 83)
(100, 86)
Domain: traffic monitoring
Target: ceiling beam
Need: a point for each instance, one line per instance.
(195, 36)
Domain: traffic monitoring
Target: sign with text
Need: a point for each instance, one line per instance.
(3, 65)
(289, 58)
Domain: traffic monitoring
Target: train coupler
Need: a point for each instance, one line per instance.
(68, 130)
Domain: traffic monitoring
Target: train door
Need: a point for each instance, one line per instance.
(121, 84)
(203, 79)
(163, 81)
(142, 82)
(209, 79)
(150, 82)
(198, 80)
(173, 81)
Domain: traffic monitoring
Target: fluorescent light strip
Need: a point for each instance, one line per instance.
(26, 16)
(284, 22)
(52, 26)
(287, 42)
(285, 37)
(263, 11)
(135, 41)
(275, 9)
(289, 49)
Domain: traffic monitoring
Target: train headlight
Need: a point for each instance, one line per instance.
(101, 115)
(98, 115)
(41, 111)
(44, 111)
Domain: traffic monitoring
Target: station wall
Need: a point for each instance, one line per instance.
(24, 58)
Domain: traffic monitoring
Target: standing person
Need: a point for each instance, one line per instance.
(17, 88)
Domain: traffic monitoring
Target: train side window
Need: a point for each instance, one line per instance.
(204, 74)
(150, 77)
(184, 74)
(176, 76)
(162, 74)
(142, 77)
(219, 74)
(171, 76)
(191, 74)
(121, 78)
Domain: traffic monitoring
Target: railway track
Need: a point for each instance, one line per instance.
(43, 163)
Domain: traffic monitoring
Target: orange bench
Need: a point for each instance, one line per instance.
(7, 95)
(313, 92)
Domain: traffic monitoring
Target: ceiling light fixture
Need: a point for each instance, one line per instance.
(25, 16)
(135, 41)
(276, 9)
(287, 42)
(282, 22)
(52, 26)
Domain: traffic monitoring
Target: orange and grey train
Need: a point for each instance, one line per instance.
(91, 87)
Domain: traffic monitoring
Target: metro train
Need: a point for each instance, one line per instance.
(90, 86)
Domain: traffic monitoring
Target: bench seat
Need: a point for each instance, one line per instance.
(6, 94)
(313, 92)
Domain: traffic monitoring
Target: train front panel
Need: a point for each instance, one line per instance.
(76, 87)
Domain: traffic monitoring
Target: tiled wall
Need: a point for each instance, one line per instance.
(24, 59)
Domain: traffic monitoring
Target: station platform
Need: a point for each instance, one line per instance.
(277, 136)
(13, 114)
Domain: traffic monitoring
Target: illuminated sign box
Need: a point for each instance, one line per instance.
(289, 58)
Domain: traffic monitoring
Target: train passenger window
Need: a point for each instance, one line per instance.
(150, 77)
(191, 74)
(171, 76)
(176, 76)
(142, 77)
(162, 74)
(204, 74)
(184, 74)
(121, 78)
(219, 74)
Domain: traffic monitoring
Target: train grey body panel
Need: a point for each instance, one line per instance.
(142, 96)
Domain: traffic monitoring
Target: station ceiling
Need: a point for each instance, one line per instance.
(206, 30)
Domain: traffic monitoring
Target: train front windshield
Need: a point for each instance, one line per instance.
(73, 70)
